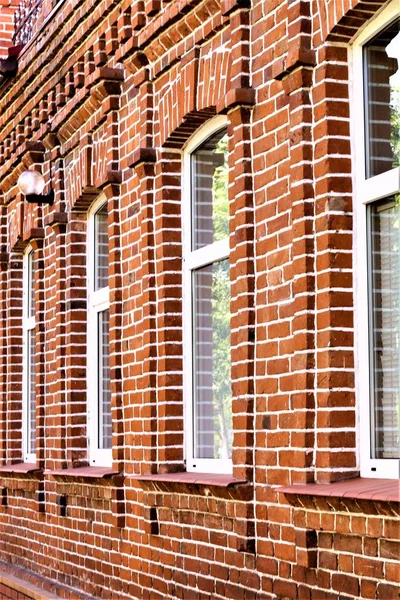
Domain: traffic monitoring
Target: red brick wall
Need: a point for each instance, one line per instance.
(112, 90)
(7, 8)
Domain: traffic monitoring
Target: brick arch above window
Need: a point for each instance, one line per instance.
(200, 86)
(340, 24)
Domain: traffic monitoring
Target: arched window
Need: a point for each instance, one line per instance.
(99, 392)
(207, 355)
(29, 359)
(377, 208)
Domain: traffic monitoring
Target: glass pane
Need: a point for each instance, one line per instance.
(212, 362)
(104, 380)
(385, 309)
(210, 191)
(101, 249)
(31, 286)
(31, 393)
(383, 93)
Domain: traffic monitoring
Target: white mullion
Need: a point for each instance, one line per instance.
(380, 186)
(208, 255)
(100, 299)
(28, 330)
(30, 323)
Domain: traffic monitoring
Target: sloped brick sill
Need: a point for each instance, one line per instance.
(85, 472)
(385, 490)
(28, 589)
(23, 468)
(211, 479)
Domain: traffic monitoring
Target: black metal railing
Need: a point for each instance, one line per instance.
(25, 18)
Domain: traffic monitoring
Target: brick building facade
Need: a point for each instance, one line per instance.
(126, 470)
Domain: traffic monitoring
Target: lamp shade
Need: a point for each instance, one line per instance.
(31, 182)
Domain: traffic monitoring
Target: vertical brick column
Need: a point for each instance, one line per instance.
(112, 194)
(168, 262)
(299, 422)
(149, 352)
(55, 318)
(335, 448)
(74, 233)
(241, 201)
(139, 300)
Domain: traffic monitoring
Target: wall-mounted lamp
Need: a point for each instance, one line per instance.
(31, 184)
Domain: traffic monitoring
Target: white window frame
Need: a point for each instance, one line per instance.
(28, 327)
(367, 191)
(193, 260)
(98, 301)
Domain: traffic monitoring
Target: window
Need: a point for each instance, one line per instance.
(207, 360)
(99, 390)
(377, 208)
(29, 360)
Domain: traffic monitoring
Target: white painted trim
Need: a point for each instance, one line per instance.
(28, 326)
(366, 191)
(207, 254)
(98, 301)
(206, 131)
(194, 260)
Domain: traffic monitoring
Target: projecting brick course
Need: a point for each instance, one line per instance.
(106, 95)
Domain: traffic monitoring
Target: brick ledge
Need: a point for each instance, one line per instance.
(23, 468)
(85, 472)
(212, 479)
(23, 587)
(386, 490)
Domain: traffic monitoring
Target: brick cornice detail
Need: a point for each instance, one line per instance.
(103, 84)
(236, 97)
(300, 52)
(35, 233)
(56, 218)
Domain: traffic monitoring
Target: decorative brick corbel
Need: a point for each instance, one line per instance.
(300, 53)
(136, 61)
(33, 154)
(236, 97)
(301, 77)
(239, 92)
(142, 155)
(56, 220)
(32, 234)
(50, 140)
